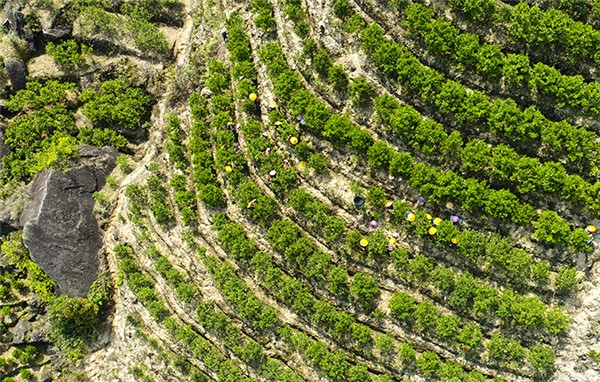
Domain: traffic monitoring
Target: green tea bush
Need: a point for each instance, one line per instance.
(69, 53)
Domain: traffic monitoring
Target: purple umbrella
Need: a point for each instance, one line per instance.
(454, 218)
(421, 200)
(299, 117)
(373, 224)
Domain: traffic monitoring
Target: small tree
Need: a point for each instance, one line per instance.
(322, 62)
(566, 280)
(470, 336)
(364, 289)
(402, 306)
(385, 344)
(73, 321)
(338, 77)
(542, 358)
(447, 327)
(406, 352)
(540, 272)
(376, 197)
(361, 91)
(427, 315)
(429, 363)
(342, 9)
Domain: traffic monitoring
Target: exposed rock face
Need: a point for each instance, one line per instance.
(16, 22)
(16, 72)
(59, 227)
(56, 33)
(4, 148)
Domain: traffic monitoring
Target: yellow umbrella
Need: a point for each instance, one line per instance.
(364, 242)
(273, 105)
(410, 217)
(437, 221)
(429, 217)
(590, 228)
(294, 140)
(228, 169)
(253, 96)
(432, 230)
(455, 240)
(302, 165)
(389, 203)
(392, 241)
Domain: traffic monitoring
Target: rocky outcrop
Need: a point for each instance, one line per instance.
(16, 72)
(59, 227)
(15, 22)
(54, 34)
(4, 148)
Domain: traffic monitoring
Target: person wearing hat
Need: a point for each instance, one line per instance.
(359, 201)
(272, 174)
(389, 205)
(392, 244)
(362, 244)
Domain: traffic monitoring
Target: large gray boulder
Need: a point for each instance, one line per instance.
(59, 226)
(16, 72)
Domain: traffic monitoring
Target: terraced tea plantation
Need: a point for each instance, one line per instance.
(363, 190)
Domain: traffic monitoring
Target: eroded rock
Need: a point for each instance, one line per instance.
(4, 148)
(16, 72)
(20, 331)
(54, 34)
(59, 227)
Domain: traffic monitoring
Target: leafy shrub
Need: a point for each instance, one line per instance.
(338, 77)
(116, 105)
(566, 280)
(73, 320)
(364, 289)
(69, 53)
(361, 91)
